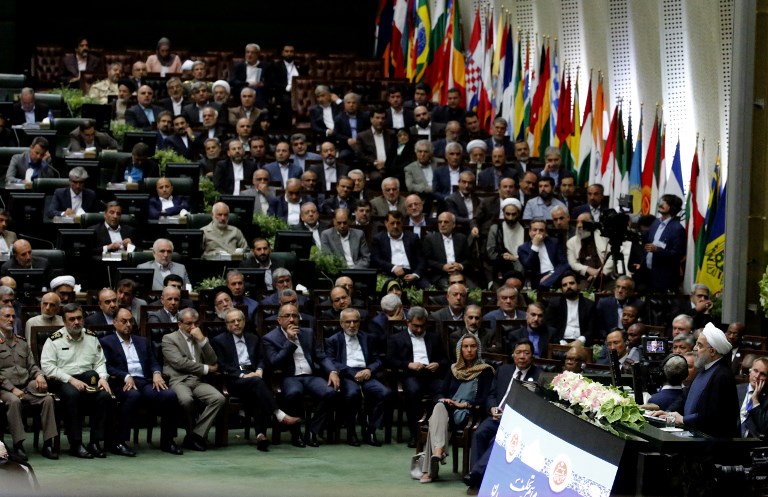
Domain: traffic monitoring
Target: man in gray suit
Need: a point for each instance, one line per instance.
(36, 159)
(189, 356)
(261, 191)
(418, 174)
(170, 299)
(348, 243)
(390, 200)
(163, 264)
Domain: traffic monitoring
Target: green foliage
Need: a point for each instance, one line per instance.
(717, 306)
(327, 263)
(163, 157)
(74, 99)
(380, 280)
(211, 282)
(415, 295)
(763, 285)
(476, 295)
(119, 129)
(210, 194)
(269, 226)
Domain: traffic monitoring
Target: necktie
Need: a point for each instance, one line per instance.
(519, 375)
(749, 403)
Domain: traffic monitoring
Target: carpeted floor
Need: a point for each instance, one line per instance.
(241, 470)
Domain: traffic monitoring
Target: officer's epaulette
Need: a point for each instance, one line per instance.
(92, 333)
(21, 337)
(57, 335)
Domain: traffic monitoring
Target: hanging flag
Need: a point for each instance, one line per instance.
(529, 86)
(519, 112)
(695, 210)
(620, 178)
(439, 51)
(456, 76)
(422, 39)
(570, 151)
(663, 177)
(554, 97)
(509, 83)
(711, 269)
(564, 124)
(485, 108)
(608, 161)
(599, 117)
(586, 144)
(412, 53)
(675, 184)
(400, 38)
(635, 188)
(540, 106)
(474, 77)
(505, 60)
(384, 31)
(652, 158)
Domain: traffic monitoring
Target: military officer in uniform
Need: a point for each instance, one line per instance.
(73, 357)
(21, 381)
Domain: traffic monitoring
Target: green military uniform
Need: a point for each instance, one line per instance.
(19, 370)
(64, 357)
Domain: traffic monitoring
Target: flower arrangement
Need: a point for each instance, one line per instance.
(596, 400)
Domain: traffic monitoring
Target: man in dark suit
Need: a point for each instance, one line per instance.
(82, 57)
(325, 111)
(358, 364)
(164, 189)
(424, 127)
(176, 100)
(335, 169)
(107, 310)
(169, 299)
(446, 251)
(444, 178)
(559, 310)
(225, 178)
(347, 243)
(506, 302)
(251, 73)
(711, 404)
(546, 274)
(459, 203)
(594, 205)
(411, 268)
(188, 356)
(536, 330)
(305, 369)
(665, 247)
(608, 310)
(136, 377)
(455, 304)
(348, 125)
(343, 198)
(421, 361)
(522, 369)
(37, 159)
(183, 138)
(489, 178)
(369, 152)
(753, 399)
(288, 206)
(452, 110)
(75, 199)
(278, 80)
(398, 117)
(26, 110)
(500, 138)
(240, 361)
(283, 168)
(111, 236)
(144, 114)
(21, 258)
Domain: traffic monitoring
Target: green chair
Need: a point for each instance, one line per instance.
(92, 218)
(65, 125)
(181, 186)
(7, 152)
(197, 221)
(55, 102)
(49, 185)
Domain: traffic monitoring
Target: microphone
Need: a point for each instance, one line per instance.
(43, 240)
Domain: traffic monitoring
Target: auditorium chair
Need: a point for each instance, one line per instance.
(46, 66)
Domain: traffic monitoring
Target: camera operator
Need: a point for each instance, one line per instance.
(675, 370)
(589, 253)
(665, 247)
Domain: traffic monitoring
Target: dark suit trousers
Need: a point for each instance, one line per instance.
(324, 396)
(482, 445)
(417, 385)
(256, 397)
(163, 402)
(75, 404)
(376, 397)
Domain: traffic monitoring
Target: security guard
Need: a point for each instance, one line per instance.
(74, 358)
(21, 381)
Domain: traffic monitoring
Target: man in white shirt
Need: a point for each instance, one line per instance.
(345, 242)
(163, 264)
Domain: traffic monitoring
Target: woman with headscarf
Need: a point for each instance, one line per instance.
(163, 61)
(467, 385)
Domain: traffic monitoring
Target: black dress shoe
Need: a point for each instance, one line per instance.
(18, 453)
(262, 444)
(312, 440)
(471, 480)
(95, 449)
(296, 441)
(353, 441)
(123, 450)
(371, 440)
(49, 453)
(194, 442)
(172, 448)
(412, 443)
(80, 451)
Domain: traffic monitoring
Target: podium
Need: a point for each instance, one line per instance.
(543, 448)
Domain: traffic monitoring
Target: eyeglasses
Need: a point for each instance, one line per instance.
(236, 320)
(351, 321)
(289, 316)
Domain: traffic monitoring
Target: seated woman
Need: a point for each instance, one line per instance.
(166, 203)
(135, 168)
(467, 385)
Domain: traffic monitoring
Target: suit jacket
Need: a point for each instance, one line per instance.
(509, 147)
(37, 263)
(95, 319)
(226, 353)
(380, 206)
(530, 260)
(102, 235)
(149, 167)
(167, 104)
(415, 182)
(366, 146)
(70, 67)
(408, 120)
(585, 209)
(342, 130)
(278, 206)
(180, 202)
(547, 335)
(179, 364)
(62, 201)
(441, 181)
(331, 204)
(665, 271)
(276, 77)
(400, 351)
(443, 114)
(192, 112)
(381, 253)
(278, 352)
(117, 364)
(177, 144)
(273, 168)
(607, 314)
(253, 192)
(224, 176)
(358, 247)
(711, 404)
(504, 375)
(556, 316)
(757, 417)
(454, 203)
(316, 121)
(237, 80)
(498, 315)
(336, 351)
(436, 130)
(319, 169)
(434, 251)
(486, 179)
(136, 117)
(159, 316)
(18, 117)
(101, 141)
(157, 278)
(234, 114)
(17, 169)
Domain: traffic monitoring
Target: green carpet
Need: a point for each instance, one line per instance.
(241, 470)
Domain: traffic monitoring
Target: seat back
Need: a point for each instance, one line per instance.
(181, 186)
(49, 185)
